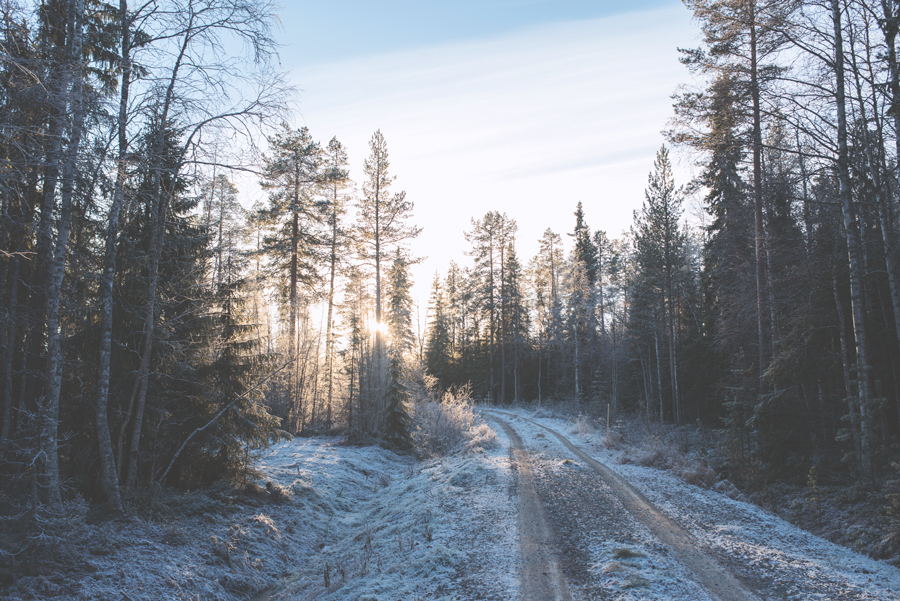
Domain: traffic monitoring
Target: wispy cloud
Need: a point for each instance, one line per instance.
(528, 123)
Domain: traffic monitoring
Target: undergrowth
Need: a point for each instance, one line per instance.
(443, 423)
(862, 516)
(46, 554)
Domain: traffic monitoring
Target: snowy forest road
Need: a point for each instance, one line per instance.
(540, 571)
(540, 574)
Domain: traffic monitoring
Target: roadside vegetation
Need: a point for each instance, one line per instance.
(864, 517)
(240, 536)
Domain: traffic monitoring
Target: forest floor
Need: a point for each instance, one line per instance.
(325, 520)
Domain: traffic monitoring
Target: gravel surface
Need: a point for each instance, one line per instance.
(605, 552)
(539, 556)
(775, 558)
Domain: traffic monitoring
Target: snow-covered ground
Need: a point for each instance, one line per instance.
(328, 521)
(776, 558)
(338, 522)
(400, 529)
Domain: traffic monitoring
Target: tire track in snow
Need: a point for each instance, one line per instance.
(710, 574)
(540, 574)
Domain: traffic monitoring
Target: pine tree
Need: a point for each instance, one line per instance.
(337, 180)
(545, 268)
(223, 216)
(489, 238)
(382, 226)
(292, 175)
(741, 36)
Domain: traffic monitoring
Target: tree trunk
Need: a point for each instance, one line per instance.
(851, 228)
(670, 326)
(875, 166)
(615, 362)
(71, 100)
(492, 325)
(379, 341)
(804, 179)
(658, 373)
(329, 334)
(577, 359)
(891, 26)
(293, 349)
(159, 202)
(108, 478)
(757, 203)
(9, 344)
(540, 361)
(845, 364)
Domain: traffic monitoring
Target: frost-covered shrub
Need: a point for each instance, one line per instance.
(482, 436)
(442, 426)
(43, 541)
(583, 425)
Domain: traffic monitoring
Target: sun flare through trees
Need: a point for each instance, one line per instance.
(155, 331)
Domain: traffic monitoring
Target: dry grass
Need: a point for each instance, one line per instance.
(668, 448)
(635, 581)
(584, 426)
(654, 445)
(482, 436)
(626, 553)
(613, 566)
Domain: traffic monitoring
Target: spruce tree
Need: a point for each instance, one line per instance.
(438, 348)
(399, 317)
(660, 255)
(396, 418)
(515, 314)
(582, 301)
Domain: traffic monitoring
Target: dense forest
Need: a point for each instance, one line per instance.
(154, 331)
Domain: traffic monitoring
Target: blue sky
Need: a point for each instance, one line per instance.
(325, 31)
(509, 105)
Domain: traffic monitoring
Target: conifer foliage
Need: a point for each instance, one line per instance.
(154, 331)
(396, 413)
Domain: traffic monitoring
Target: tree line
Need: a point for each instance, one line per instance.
(155, 331)
(775, 315)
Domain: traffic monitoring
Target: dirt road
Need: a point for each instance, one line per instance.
(541, 543)
(540, 576)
